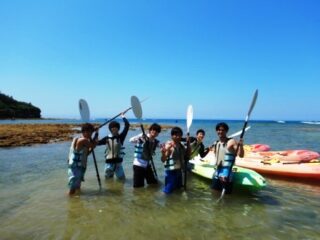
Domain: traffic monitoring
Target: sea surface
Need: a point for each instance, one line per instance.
(34, 204)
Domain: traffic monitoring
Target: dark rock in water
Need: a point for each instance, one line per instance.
(11, 108)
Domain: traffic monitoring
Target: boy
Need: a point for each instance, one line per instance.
(78, 154)
(145, 147)
(196, 144)
(225, 151)
(173, 156)
(114, 149)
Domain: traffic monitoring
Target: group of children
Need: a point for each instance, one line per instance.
(175, 153)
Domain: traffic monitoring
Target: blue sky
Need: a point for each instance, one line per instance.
(211, 54)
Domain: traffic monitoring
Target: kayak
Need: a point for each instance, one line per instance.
(261, 151)
(295, 164)
(295, 170)
(242, 178)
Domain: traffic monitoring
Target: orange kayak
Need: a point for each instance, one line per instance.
(295, 164)
(306, 171)
(303, 164)
(261, 152)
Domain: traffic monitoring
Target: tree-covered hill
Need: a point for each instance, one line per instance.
(11, 108)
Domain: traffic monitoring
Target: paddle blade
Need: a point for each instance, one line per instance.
(239, 132)
(253, 102)
(136, 107)
(189, 117)
(84, 110)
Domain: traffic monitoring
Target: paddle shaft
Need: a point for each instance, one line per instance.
(188, 150)
(96, 167)
(253, 102)
(244, 129)
(111, 119)
(238, 145)
(186, 162)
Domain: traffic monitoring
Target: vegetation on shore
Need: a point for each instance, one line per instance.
(11, 108)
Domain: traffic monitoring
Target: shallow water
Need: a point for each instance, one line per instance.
(34, 205)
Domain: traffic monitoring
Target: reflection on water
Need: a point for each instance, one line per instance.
(34, 205)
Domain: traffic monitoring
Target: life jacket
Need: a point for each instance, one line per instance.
(77, 158)
(176, 159)
(224, 157)
(195, 148)
(144, 151)
(114, 150)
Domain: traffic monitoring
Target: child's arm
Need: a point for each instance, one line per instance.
(163, 154)
(124, 133)
(87, 142)
(233, 145)
(102, 141)
(165, 151)
(136, 138)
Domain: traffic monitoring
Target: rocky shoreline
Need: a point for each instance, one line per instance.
(14, 135)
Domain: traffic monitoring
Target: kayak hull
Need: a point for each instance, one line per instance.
(242, 178)
(294, 164)
(304, 171)
(284, 156)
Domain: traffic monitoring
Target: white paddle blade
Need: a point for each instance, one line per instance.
(253, 102)
(136, 107)
(84, 110)
(189, 117)
(239, 132)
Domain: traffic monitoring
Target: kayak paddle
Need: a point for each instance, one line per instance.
(239, 132)
(253, 102)
(137, 111)
(111, 119)
(189, 122)
(85, 117)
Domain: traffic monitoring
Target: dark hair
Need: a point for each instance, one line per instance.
(176, 131)
(201, 131)
(155, 127)
(223, 125)
(87, 127)
(114, 124)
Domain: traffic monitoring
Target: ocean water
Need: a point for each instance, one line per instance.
(34, 204)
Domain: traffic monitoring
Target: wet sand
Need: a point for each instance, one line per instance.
(13, 135)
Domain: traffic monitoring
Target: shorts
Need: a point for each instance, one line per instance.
(76, 176)
(173, 180)
(140, 174)
(223, 171)
(216, 182)
(114, 168)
